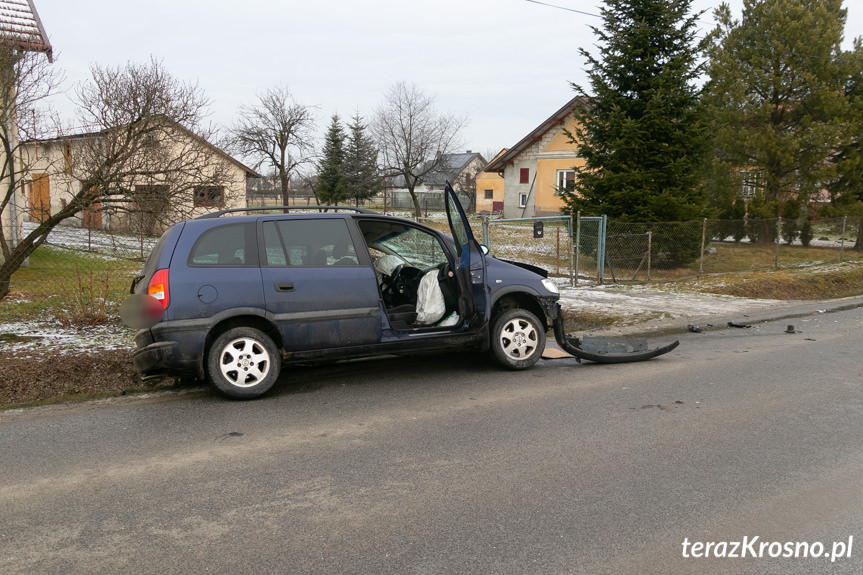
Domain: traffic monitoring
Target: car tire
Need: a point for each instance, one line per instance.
(243, 363)
(517, 339)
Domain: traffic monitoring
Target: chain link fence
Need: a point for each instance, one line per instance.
(544, 242)
(81, 275)
(94, 268)
(622, 252)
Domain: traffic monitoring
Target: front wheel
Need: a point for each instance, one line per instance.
(517, 339)
(243, 363)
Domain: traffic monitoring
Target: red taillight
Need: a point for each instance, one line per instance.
(158, 288)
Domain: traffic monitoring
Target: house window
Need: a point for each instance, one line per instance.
(750, 183)
(524, 176)
(209, 196)
(489, 194)
(565, 180)
(522, 200)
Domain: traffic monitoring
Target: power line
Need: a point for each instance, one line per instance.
(564, 8)
(588, 13)
(764, 50)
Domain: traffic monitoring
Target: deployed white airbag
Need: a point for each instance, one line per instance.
(430, 302)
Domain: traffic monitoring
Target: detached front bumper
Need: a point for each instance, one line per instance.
(605, 349)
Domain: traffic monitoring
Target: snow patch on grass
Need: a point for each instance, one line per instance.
(35, 338)
(635, 303)
(96, 241)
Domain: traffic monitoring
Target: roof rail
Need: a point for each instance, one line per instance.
(220, 213)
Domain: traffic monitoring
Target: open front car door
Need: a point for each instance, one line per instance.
(471, 266)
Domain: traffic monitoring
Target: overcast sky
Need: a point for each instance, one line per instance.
(505, 64)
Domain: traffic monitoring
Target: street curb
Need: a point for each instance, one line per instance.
(750, 313)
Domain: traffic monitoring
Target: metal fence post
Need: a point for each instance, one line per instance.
(577, 243)
(649, 251)
(571, 253)
(842, 238)
(485, 236)
(778, 241)
(557, 250)
(603, 227)
(703, 246)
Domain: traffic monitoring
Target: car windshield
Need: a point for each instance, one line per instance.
(414, 246)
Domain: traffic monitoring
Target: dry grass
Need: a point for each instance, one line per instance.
(74, 287)
(809, 283)
(740, 257)
(93, 301)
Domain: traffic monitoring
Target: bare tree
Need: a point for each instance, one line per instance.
(465, 182)
(153, 153)
(147, 135)
(412, 136)
(277, 131)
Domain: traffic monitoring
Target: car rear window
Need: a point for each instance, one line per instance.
(227, 245)
(153, 259)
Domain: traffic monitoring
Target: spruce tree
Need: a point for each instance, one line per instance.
(641, 129)
(362, 178)
(330, 186)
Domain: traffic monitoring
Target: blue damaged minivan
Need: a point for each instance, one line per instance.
(233, 298)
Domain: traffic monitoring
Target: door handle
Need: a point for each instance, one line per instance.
(285, 287)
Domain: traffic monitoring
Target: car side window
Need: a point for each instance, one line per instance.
(308, 242)
(274, 250)
(227, 245)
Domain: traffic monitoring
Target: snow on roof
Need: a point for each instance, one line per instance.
(20, 27)
(450, 167)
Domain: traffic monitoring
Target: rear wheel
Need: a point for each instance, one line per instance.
(518, 339)
(243, 363)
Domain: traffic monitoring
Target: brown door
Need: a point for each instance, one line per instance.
(40, 198)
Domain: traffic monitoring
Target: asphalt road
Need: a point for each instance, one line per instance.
(450, 465)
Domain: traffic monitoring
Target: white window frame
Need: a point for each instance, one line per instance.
(522, 200)
(562, 180)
